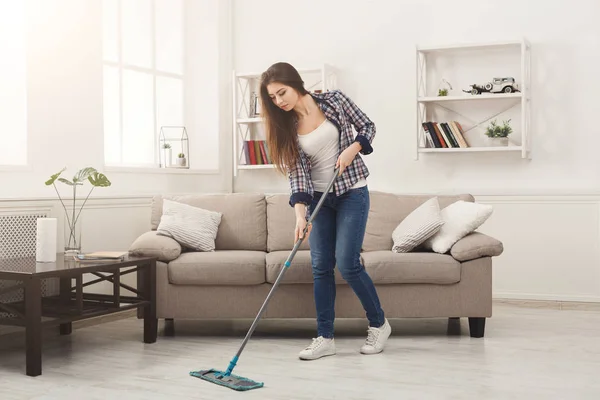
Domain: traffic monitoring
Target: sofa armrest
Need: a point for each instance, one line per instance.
(476, 245)
(151, 244)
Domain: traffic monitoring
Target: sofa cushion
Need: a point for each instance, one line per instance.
(223, 267)
(192, 227)
(281, 222)
(460, 219)
(433, 268)
(151, 244)
(388, 210)
(300, 270)
(382, 266)
(243, 223)
(417, 227)
(476, 245)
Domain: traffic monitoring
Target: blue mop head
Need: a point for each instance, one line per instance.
(231, 381)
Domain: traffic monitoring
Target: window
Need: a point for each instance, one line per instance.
(13, 84)
(143, 77)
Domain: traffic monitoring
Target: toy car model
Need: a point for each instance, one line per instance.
(497, 85)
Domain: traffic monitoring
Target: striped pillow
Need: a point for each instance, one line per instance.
(418, 226)
(192, 227)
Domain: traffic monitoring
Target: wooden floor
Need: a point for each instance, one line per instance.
(528, 353)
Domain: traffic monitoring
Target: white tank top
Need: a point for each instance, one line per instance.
(321, 147)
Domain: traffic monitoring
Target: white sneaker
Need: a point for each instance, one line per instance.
(318, 348)
(376, 338)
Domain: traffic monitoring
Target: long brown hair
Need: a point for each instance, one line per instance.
(281, 125)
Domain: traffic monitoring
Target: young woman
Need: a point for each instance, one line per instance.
(308, 136)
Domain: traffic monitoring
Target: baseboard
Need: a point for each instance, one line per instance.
(550, 304)
(545, 297)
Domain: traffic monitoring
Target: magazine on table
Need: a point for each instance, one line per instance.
(102, 256)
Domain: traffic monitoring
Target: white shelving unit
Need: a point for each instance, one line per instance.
(247, 125)
(463, 65)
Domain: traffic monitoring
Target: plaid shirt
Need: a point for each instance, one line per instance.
(343, 113)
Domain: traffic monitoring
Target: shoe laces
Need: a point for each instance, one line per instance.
(316, 343)
(372, 336)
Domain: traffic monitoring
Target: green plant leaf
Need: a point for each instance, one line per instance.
(53, 177)
(99, 180)
(83, 174)
(68, 182)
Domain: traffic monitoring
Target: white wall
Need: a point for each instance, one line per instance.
(551, 246)
(65, 119)
(373, 44)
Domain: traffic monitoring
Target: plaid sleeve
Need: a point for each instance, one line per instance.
(300, 184)
(365, 128)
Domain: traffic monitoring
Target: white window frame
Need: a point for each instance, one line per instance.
(152, 71)
(26, 166)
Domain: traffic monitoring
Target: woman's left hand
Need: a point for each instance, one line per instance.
(346, 158)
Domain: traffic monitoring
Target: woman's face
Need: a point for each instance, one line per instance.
(283, 96)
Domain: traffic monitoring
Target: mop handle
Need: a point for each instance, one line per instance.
(286, 265)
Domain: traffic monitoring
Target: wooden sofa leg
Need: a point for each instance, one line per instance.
(169, 327)
(477, 326)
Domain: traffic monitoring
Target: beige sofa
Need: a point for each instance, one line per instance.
(256, 236)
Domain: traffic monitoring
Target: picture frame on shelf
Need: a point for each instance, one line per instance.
(256, 105)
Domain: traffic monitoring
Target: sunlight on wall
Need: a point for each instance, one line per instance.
(13, 86)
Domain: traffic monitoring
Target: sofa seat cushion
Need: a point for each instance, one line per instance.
(221, 267)
(300, 270)
(386, 267)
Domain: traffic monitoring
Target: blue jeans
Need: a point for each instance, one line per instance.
(336, 238)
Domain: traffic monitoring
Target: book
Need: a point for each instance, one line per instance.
(444, 134)
(103, 255)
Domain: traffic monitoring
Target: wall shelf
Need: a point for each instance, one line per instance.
(467, 97)
(472, 46)
(472, 149)
(265, 166)
(465, 115)
(254, 120)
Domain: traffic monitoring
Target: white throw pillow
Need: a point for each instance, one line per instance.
(193, 227)
(418, 226)
(460, 219)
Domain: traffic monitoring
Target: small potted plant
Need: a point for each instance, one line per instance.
(443, 91)
(498, 135)
(168, 154)
(181, 162)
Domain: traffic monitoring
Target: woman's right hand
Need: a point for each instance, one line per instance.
(300, 225)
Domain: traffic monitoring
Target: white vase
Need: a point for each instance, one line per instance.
(498, 141)
(169, 157)
(181, 162)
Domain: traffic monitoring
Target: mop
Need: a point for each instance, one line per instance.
(240, 383)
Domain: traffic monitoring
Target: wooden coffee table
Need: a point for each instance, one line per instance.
(35, 311)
